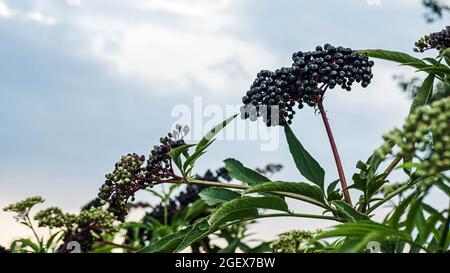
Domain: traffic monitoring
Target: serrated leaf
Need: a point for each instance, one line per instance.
(305, 163)
(300, 188)
(423, 94)
(213, 196)
(238, 171)
(247, 202)
(350, 213)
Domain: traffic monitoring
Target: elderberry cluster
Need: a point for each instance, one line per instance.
(438, 40)
(159, 164)
(425, 135)
(273, 95)
(130, 174)
(87, 228)
(176, 204)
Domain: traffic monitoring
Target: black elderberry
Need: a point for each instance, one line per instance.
(130, 175)
(273, 95)
(438, 40)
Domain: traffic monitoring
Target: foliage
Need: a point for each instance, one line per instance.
(224, 204)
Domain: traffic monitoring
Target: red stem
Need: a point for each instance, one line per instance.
(337, 158)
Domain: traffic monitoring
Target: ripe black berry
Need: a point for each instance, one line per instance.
(130, 175)
(438, 40)
(273, 95)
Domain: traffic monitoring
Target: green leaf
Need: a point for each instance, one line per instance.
(305, 163)
(242, 214)
(332, 192)
(300, 188)
(394, 56)
(238, 171)
(350, 213)
(245, 203)
(413, 212)
(195, 209)
(332, 187)
(204, 143)
(423, 93)
(168, 243)
(212, 133)
(440, 70)
(394, 220)
(361, 229)
(375, 184)
(28, 243)
(213, 196)
(176, 153)
(200, 229)
(54, 239)
(443, 187)
(431, 61)
(423, 236)
(193, 158)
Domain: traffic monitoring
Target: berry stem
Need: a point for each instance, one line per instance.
(337, 158)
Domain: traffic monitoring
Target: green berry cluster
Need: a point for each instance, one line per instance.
(295, 241)
(52, 217)
(24, 206)
(425, 136)
(126, 169)
(97, 218)
(87, 228)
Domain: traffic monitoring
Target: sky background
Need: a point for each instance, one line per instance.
(81, 85)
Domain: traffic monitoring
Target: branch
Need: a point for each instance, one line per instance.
(337, 158)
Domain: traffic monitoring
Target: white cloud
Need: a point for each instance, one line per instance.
(383, 93)
(41, 18)
(5, 11)
(26, 16)
(195, 53)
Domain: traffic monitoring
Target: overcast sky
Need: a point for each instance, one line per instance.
(80, 85)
